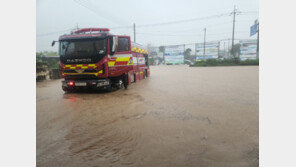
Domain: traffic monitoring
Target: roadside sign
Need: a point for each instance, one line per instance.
(254, 28)
(211, 50)
(248, 49)
(174, 54)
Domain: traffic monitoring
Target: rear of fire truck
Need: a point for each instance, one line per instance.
(84, 60)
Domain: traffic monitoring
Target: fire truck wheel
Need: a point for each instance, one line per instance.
(145, 74)
(67, 90)
(125, 81)
(119, 85)
(108, 89)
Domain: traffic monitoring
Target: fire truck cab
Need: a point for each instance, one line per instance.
(93, 58)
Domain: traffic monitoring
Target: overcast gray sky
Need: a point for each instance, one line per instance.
(57, 17)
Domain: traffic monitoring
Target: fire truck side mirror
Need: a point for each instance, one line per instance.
(53, 42)
(113, 44)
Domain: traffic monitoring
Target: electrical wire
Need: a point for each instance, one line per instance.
(102, 14)
(154, 24)
(53, 33)
(183, 21)
(155, 34)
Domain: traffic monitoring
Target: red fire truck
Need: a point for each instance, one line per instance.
(94, 58)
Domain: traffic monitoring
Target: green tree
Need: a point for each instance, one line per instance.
(188, 56)
(47, 59)
(235, 50)
(162, 49)
(51, 54)
(187, 52)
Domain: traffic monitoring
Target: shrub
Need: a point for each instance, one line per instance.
(225, 62)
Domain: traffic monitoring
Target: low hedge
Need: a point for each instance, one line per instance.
(226, 62)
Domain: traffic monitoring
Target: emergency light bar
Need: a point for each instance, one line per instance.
(92, 30)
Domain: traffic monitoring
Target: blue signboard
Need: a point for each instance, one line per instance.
(254, 28)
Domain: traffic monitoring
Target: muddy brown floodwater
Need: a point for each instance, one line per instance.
(180, 116)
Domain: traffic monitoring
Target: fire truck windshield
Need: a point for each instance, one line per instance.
(83, 47)
(83, 51)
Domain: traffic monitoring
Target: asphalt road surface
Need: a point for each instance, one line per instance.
(180, 116)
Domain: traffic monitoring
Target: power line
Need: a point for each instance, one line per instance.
(127, 27)
(102, 13)
(193, 29)
(157, 34)
(148, 25)
(66, 30)
(121, 27)
(95, 12)
(144, 33)
(173, 33)
(187, 20)
(52, 33)
(183, 21)
(193, 43)
(250, 12)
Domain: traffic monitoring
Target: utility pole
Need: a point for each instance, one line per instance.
(235, 12)
(134, 32)
(195, 52)
(257, 55)
(163, 56)
(224, 50)
(219, 49)
(184, 53)
(228, 47)
(204, 53)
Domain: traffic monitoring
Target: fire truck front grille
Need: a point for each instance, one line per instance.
(80, 77)
(85, 71)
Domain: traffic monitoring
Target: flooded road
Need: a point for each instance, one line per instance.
(180, 116)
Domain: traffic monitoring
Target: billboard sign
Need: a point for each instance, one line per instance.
(248, 50)
(211, 51)
(174, 54)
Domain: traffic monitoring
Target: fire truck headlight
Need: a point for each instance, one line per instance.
(71, 83)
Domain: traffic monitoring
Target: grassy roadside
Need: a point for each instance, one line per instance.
(228, 62)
